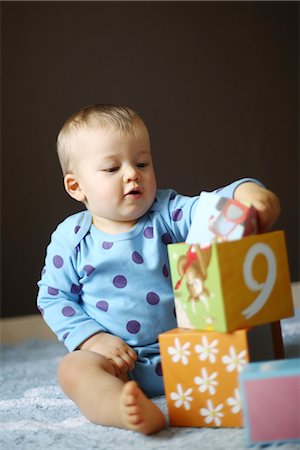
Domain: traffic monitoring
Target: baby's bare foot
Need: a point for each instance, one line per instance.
(138, 412)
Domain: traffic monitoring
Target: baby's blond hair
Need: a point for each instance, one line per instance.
(115, 116)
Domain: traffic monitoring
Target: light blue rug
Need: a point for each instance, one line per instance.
(35, 414)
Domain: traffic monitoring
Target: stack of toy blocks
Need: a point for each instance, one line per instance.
(231, 288)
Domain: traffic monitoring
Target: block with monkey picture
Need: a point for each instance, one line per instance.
(230, 285)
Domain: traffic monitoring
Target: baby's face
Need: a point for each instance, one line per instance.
(116, 175)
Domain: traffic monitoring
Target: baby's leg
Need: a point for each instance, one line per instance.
(89, 380)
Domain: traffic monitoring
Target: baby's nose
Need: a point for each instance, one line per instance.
(131, 174)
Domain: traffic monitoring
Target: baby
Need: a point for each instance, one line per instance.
(105, 289)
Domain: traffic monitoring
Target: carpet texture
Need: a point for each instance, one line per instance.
(35, 414)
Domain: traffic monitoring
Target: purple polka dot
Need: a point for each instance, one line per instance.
(76, 229)
(58, 261)
(166, 239)
(158, 369)
(68, 311)
(76, 288)
(103, 305)
(88, 269)
(165, 271)
(177, 215)
(52, 291)
(43, 271)
(133, 326)
(107, 245)
(119, 281)
(137, 258)
(65, 336)
(152, 298)
(148, 232)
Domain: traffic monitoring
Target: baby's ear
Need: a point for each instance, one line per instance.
(73, 188)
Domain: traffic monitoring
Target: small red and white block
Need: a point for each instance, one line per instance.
(219, 219)
(270, 393)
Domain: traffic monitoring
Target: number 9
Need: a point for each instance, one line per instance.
(266, 287)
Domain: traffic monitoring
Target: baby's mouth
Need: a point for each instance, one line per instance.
(133, 193)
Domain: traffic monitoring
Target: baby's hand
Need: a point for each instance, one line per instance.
(264, 201)
(113, 348)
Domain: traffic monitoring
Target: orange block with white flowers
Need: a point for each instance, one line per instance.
(200, 370)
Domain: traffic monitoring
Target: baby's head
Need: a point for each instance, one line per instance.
(105, 156)
(105, 116)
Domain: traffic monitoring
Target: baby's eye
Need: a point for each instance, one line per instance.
(111, 169)
(142, 165)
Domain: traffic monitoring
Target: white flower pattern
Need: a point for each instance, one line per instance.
(181, 397)
(207, 382)
(212, 414)
(234, 361)
(235, 402)
(179, 353)
(207, 350)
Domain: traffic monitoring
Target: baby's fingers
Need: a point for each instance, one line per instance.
(124, 358)
(132, 353)
(128, 360)
(120, 363)
(268, 213)
(128, 355)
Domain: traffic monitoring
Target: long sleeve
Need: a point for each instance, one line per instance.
(228, 191)
(178, 210)
(59, 299)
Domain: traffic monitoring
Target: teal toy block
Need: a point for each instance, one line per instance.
(270, 394)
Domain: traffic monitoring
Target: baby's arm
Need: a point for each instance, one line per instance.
(264, 201)
(60, 288)
(59, 301)
(114, 349)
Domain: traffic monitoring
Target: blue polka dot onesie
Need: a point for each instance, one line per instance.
(120, 284)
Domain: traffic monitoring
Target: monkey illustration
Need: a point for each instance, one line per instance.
(193, 266)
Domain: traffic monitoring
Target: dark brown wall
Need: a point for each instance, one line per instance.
(217, 83)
